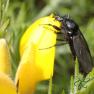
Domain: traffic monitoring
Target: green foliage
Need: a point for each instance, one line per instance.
(17, 15)
(80, 84)
(50, 86)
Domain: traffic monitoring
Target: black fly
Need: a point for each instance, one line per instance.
(77, 43)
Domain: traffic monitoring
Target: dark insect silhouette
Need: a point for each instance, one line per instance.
(78, 45)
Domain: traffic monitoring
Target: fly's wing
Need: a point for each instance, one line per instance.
(82, 52)
(70, 42)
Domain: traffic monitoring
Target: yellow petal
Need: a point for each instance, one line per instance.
(6, 85)
(36, 65)
(37, 54)
(35, 31)
(5, 65)
(26, 75)
(45, 54)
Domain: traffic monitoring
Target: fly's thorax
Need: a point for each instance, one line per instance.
(71, 27)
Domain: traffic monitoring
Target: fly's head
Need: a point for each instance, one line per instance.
(68, 25)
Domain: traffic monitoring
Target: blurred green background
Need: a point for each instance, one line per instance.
(17, 15)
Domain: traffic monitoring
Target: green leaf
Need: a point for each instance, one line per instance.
(72, 85)
(50, 86)
(63, 92)
(88, 88)
(4, 26)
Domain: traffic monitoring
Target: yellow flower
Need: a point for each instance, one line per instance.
(37, 54)
(5, 65)
(6, 84)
